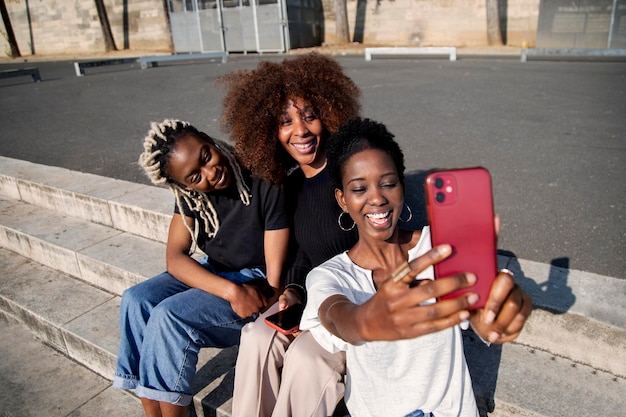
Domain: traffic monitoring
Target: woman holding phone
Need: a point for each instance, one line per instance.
(376, 301)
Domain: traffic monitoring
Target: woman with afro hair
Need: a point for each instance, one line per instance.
(280, 116)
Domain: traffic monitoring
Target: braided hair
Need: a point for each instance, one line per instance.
(159, 145)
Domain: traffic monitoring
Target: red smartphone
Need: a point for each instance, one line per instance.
(286, 321)
(460, 210)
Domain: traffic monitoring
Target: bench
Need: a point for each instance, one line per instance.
(32, 71)
(146, 61)
(416, 51)
(155, 59)
(79, 67)
(559, 53)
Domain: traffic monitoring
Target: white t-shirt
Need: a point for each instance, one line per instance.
(391, 379)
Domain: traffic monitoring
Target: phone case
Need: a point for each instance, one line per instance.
(286, 321)
(460, 210)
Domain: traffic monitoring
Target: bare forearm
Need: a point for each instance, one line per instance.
(275, 243)
(341, 317)
(186, 269)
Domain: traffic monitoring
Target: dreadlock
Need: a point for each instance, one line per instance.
(158, 146)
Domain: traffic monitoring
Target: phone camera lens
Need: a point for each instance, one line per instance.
(438, 183)
(440, 197)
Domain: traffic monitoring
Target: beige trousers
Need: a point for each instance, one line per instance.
(282, 376)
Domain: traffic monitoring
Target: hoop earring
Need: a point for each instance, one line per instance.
(410, 214)
(345, 229)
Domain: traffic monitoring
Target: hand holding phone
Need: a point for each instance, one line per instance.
(286, 321)
(460, 211)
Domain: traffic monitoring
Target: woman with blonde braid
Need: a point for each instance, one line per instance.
(239, 221)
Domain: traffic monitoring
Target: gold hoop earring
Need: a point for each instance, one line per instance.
(345, 229)
(410, 214)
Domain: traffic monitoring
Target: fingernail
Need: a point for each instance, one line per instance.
(472, 298)
(464, 315)
(444, 250)
(493, 337)
(490, 317)
(471, 278)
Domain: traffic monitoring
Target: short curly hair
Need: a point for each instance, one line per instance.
(358, 135)
(256, 99)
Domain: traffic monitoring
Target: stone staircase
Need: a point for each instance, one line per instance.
(71, 242)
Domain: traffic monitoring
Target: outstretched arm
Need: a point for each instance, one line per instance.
(396, 311)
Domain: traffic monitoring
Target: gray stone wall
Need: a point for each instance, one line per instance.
(72, 27)
(68, 27)
(433, 22)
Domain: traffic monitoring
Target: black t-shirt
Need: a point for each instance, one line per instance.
(239, 240)
(314, 212)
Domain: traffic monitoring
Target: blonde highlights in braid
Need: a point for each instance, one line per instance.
(158, 146)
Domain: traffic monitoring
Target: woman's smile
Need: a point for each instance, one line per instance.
(306, 147)
(380, 220)
(221, 179)
(372, 193)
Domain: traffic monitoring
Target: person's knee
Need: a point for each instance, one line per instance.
(162, 317)
(252, 334)
(306, 353)
(301, 355)
(132, 299)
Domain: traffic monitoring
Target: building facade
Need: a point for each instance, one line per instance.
(72, 27)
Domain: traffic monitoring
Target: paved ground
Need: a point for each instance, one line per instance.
(551, 132)
(38, 381)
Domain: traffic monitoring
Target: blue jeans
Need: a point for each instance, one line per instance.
(419, 413)
(163, 325)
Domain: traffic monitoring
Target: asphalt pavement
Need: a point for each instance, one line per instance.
(551, 132)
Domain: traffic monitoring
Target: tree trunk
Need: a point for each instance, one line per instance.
(109, 42)
(169, 23)
(15, 50)
(494, 34)
(341, 15)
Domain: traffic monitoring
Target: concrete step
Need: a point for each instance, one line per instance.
(573, 309)
(72, 242)
(100, 255)
(66, 234)
(577, 315)
(37, 381)
(533, 383)
(134, 208)
(82, 322)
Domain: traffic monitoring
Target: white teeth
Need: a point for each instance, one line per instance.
(302, 145)
(378, 215)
